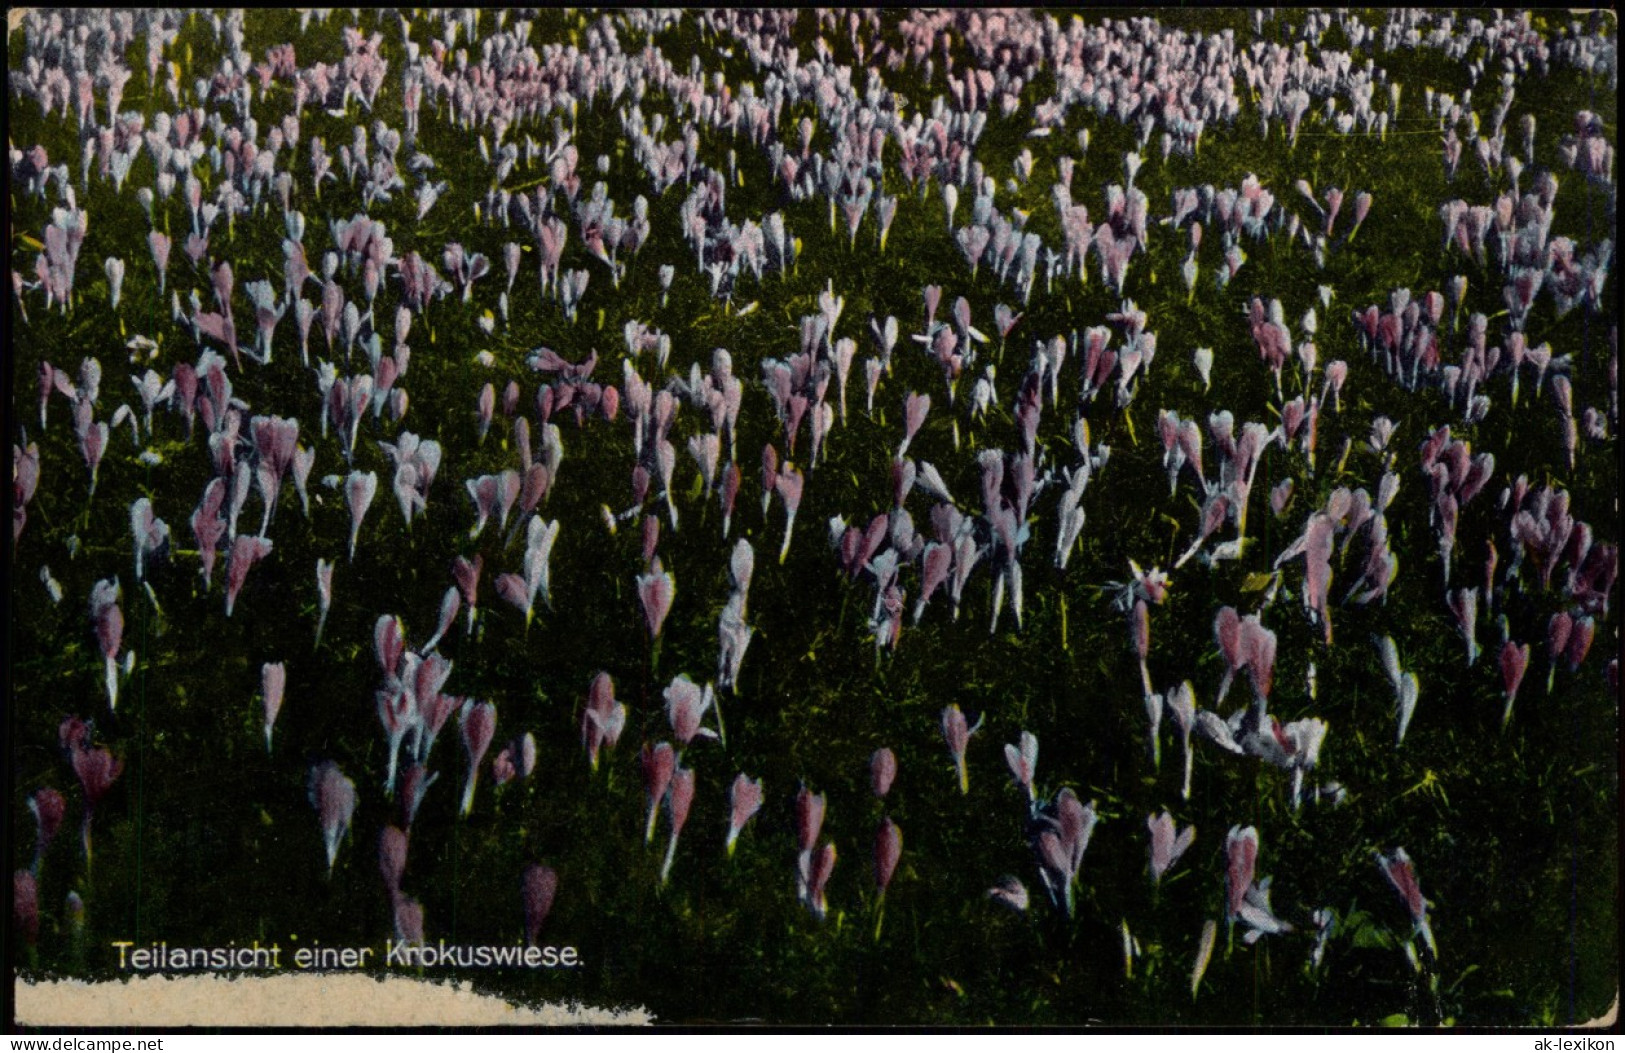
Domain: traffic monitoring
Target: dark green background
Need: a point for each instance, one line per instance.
(206, 839)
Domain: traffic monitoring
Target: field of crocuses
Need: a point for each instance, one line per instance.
(923, 517)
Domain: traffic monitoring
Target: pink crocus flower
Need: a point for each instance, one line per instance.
(334, 798)
(1241, 859)
(478, 724)
(1023, 760)
(603, 718)
(539, 887)
(1401, 874)
(888, 850)
(882, 771)
(678, 802)
(656, 590)
(1168, 843)
(744, 801)
(273, 680)
(658, 763)
(956, 731)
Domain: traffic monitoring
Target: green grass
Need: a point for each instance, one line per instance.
(206, 839)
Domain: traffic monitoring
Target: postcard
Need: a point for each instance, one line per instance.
(867, 517)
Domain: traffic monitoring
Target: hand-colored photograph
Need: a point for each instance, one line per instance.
(867, 517)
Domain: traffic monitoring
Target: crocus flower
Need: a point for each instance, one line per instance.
(1406, 694)
(408, 916)
(603, 718)
(788, 484)
(817, 874)
(658, 763)
(915, 408)
(516, 760)
(414, 784)
(392, 847)
(809, 818)
(108, 620)
(686, 705)
(727, 493)
(478, 724)
(1401, 874)
(97, 771)
(245, 552)
(888, 850)
(25, 905)
(882, 771)
(744, 801)
(450, 603)
(1514, 660)
(48, 807)
(1011, 892)
(1167, 844)
(334, 798)
(1023, 760)
(956, 732)
(359, 491)
(1464, 605)
(678, 802)
(538, 888)
(1063, 832)
(1241, 857)
(656, 591)
(1227, 633)
(273, 679)
(149, 531)
(1204, 954)
(1579, 645)
(1181, 705)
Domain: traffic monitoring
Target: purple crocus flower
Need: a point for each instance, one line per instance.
(882, 771)
(1023, 760)
(392, 848)
(1401, 874)
(1514, 660)
(1011, 892)
(816, 875)
(334, 798)
(1167, 843)
(25, 905)
(809, 819)
(245, 552)
(97, 770)
(108, 620)
(656, 591)
(49, 807)
(359, 491)
(956, 732)
(888, 850)
(686, 705)
(1241, 859)
(538, 888)
(678, 802)
(408, 916)
(273, 679)
(1061, 836)
(658, 763)
(478, 724)
(915, 408)
(1181, 705)
(603, 718)
(788, 484)
(467, 575)
(744, 801)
